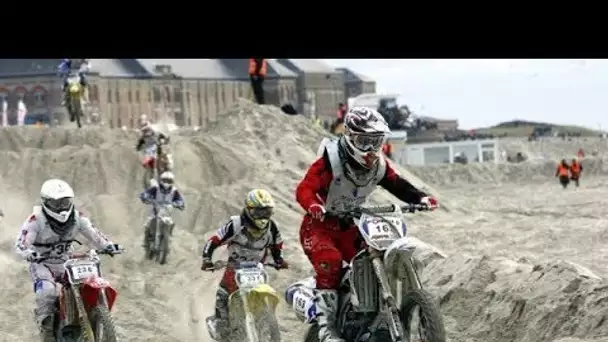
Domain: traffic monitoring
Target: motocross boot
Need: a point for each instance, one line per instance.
(327, 310)
(218, 325)
(46, 329)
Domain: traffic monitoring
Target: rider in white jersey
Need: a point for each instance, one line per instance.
(45, 241)
(160, 194)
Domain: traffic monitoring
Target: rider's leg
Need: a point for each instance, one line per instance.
(326, 258)
(148, 231)
(227, 286)
(46, 298)
(84, 89)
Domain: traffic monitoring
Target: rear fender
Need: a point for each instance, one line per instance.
(91, 288)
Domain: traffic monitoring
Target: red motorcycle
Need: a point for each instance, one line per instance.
(85, 301)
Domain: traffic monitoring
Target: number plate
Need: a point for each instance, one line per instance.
(379, 230)
(249, 279)
(84, 270)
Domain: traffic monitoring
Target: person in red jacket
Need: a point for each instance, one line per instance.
(349, 170)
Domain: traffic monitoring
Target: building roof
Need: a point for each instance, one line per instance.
(25, 67)
(191, 68)
(307, 66)
(352, 76)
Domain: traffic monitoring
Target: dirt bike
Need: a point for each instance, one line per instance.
(159, 238)
(380, 291)
(85, 300)
(74, 100)
(252, 307)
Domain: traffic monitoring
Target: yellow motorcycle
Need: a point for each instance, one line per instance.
(74, 100)
(251, 308)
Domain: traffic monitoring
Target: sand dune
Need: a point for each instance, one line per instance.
(523, 262)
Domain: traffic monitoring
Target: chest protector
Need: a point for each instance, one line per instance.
(164, 198)
(343, 194)
(47, 241)
(244, 248)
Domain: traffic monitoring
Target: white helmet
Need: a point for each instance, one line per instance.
(365, 131)
(167, 179)
(57, 199)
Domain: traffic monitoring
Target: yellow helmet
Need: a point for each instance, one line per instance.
(259, 207)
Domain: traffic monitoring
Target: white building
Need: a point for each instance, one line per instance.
(444, 152)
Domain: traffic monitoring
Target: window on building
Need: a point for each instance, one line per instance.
(177, 95)
(94, 93)
(109, 94)
(39, 97)
(137, 96)
(157, 96)
(129, 96)
(117, 96)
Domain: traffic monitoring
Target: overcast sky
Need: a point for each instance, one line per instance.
(484, 92)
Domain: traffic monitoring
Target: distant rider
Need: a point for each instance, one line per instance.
(48, 233)
(347, 173)
(65, 71)
(148, 135)
(248, 237)
(164, 193)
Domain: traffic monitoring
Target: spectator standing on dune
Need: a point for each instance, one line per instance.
(575, 171)
(340, 113)
(563, 173)
(257, 74)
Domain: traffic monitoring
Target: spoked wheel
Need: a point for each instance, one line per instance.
(421, 317)
(102, 324)
(268, 327)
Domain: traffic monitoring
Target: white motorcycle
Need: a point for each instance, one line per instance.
(381, 294)
(159, 238)
(252, 307)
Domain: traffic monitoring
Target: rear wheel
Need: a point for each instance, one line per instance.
(421, 317)
(102, 324)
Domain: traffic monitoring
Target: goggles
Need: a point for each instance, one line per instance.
(366, 142)
(59, 205)
(261, 213)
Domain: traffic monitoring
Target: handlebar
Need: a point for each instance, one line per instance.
(381, 209)
(80, 255)
(220, 264)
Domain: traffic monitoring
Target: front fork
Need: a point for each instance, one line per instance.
(157, 234)
(250, 327)
(389, 301)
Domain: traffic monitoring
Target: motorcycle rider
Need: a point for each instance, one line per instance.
(349, 170)
(48, 233)
(149, 136)
(248, 237)
(65, 71)
(163, 193)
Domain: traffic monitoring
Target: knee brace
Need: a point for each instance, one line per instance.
(46, 298)
(327, 263)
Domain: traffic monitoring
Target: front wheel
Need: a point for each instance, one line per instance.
(268, 327)
(429, 319)
(163, 250)
(103, 325)
(312, 335)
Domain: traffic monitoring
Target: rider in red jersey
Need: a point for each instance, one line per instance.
(349, 170)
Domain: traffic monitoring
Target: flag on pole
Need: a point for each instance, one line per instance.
(4, 113)
(21, 112)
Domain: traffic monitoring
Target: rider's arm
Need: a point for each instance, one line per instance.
(400, 187)
(140, 144)
(148, 195)
(276, 248)
(315, 182)
(221, 236)
(24, 244)
(178, 200)
(88, 230)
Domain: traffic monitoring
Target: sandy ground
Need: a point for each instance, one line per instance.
(524, 256)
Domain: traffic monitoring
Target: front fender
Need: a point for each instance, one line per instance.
(90, 292)
(259, 299)
(400, 251)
